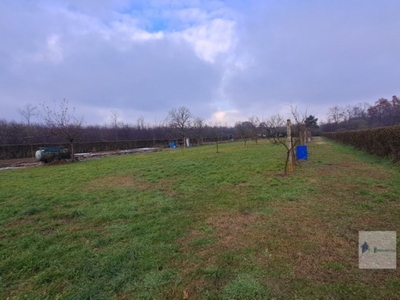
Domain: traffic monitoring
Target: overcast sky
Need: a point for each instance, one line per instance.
(224, 60)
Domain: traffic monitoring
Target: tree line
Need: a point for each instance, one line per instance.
(363, 115)
(60, 124)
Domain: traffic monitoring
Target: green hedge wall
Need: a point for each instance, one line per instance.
(22, 151)
(382, 141)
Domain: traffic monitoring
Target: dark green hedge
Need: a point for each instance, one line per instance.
(382, 141)
(22, 151)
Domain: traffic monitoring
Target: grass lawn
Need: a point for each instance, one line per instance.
(196, 224)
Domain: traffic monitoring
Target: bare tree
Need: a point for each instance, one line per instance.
(115, 123)
(299, 127)
(63, 123)
(180, 121)
(243, 130)
(217, 134)
(360, 111)
(254, 128)
(277, 134)
(28, 112)
(275, 128)
(140, 123)
(336, 114)
(199, 129)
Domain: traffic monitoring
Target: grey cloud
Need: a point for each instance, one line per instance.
(319, 54)
(310, 53)
(151, 76)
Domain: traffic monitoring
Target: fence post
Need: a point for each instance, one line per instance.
(289, 144)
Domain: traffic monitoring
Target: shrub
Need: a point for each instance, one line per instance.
(382, 141)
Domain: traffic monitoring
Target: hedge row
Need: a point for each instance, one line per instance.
(383, 141)
(23, 151)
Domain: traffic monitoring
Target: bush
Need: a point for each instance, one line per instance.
(23, 151)
(383, 141)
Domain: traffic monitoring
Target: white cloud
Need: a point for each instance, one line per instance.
(227, 117)
(211, 39)
(72, 21)
(189, 15)
(126, 31)
(142, 35)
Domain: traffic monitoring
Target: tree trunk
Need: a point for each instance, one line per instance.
(289, 146)
(302, 134)
(72, 151)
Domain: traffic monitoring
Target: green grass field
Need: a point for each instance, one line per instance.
(196, 224)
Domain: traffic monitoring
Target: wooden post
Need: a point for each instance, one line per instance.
(289, 143)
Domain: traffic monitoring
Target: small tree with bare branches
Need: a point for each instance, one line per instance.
(299, 126)
(254, 127)
(275, 128)
(217, 134)
(303, 125)
(63, 123)
(199, 130)
(115, 122)
(28, 112)
(243, 130)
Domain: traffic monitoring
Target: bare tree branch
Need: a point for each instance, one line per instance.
(63, 123)
(180, 121)
(115, 123)
(28, 112)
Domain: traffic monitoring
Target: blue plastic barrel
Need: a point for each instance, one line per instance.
(301, 152)
(172, 144)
